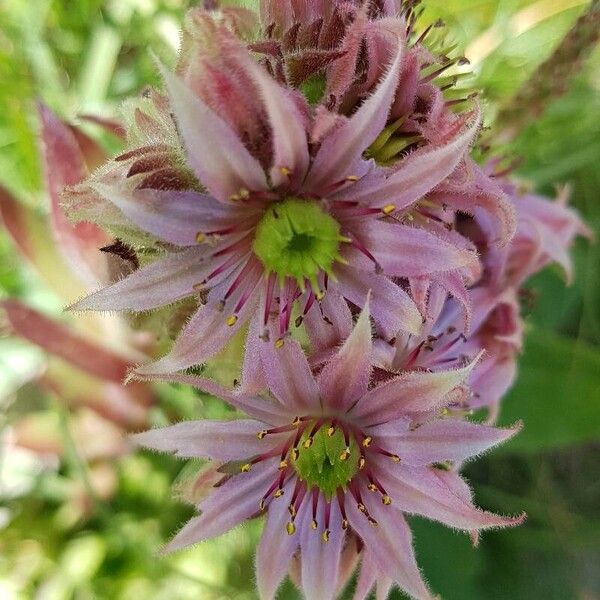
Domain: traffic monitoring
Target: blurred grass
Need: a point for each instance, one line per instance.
(86, 56)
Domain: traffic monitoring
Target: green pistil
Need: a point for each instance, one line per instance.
(297, 239)
(389, 145)
(325, 462)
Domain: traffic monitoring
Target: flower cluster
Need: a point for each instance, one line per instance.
(306, 176)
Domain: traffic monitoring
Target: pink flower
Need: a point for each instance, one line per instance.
(272, 221)
(328, 458)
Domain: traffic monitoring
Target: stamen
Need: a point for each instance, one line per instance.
(262, 434)
(367, 441)
(232, 320)
(345, 455)
(245, 468)
(388, 209)
(285, 171)
(279, 342)
(291, 528)
(200, 237)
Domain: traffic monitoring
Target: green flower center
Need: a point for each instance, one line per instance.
(324, 460)
(296, 238)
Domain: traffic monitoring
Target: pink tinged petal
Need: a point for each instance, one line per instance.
(345, 378)
(408, 251)
(390, 544)
(60, 340)
(288, 374)
(290, 144)
(391, 306)
(254, 406)
(447, 440)
(173, 216)
(64, 165)
(253, 376)
(410, 392)
(329, 323)
(320, 559)
(230, 504)
(366, 578)
(341, 151)
(219, 440)
(419, 173)
(217, 155)
(206, 333)
(454, 284)
(157, 284)
(438, 495)
(276, 547)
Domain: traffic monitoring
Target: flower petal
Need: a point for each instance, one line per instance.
(390, 544)
(391, 306)
(218, 157)
(446, 440)
(173, 216)
(412, 391)
(276, 547)
(320, 559)
(219, 440)
(288, 374)
(160, 283)
(341, 151)
(408, 251)
(419, 173)
(345, 378)
(230, 504)
(433, 494)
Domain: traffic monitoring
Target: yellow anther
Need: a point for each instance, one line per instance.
(296, 421)
(388, 209)
(261, 435)
(320, 295)
(292, 510)
(278, 493)
(282, 465)
(244, 193)
(362, 462)
(200, 237)
(361, 507)
(331, 431)
(295, 453)
(372, 521)
(372, 487)
(445, 412)
(395, 458)
(344, 524)
(367, 441)
(245, 468)
(261, 505)
(285, 171)
(345, 455)
(325, 536)
(232, 320)
(279, 343)
(352, 178)
(308, 442)
(314, 524)
(291, 528)
(234, 197)
(386, 500)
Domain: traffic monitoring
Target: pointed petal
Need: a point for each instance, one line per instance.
(412, 391)
(290, 144)
(205, 334)
(433, 494)
(391, 306)
(62, 341)
(345, 378)
(64, 165)
(276, 547)
(367, 577)
(390, 544)
(288, 374)
(408, 251)
(173, 216)
(219, 440)
(321, 560)
(230, 504)
(254, 406)
(419, 173)
(160, 283)
(341, 151)
(447, 440)
(217, 155)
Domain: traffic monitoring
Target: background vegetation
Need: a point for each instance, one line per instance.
(60, 539)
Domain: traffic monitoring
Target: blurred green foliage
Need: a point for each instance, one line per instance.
(85, 56)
